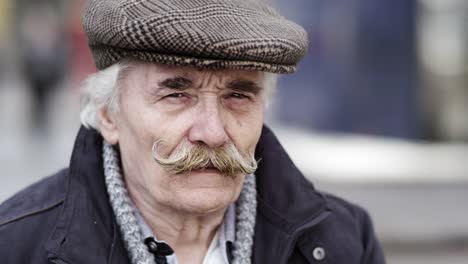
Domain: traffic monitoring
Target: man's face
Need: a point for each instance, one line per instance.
(173, 104)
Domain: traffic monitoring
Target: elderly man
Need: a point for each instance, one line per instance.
(173, 163)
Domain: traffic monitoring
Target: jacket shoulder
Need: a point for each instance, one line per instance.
(37, 198)
(345, 209)
(351, 219)
(28, 218)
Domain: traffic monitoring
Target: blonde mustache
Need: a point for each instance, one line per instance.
(187, 157)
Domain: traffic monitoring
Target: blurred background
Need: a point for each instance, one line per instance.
(377, 113)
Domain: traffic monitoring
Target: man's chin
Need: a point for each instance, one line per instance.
(204, 192)
(205, 181)
(205, 201)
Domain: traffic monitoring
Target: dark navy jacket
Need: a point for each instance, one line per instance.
(66, 218)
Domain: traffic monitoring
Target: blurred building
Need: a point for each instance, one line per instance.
(387, 68)
(360, 75)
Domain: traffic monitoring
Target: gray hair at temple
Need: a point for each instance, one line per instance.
(103, 89)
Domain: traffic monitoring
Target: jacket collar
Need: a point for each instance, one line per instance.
(86, 231)
(287, 202)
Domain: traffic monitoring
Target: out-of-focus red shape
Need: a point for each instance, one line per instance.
(81, 60)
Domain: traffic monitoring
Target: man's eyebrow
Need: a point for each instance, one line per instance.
(176, 83)
(242, 85)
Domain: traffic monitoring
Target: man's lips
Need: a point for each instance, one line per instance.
(209, 168)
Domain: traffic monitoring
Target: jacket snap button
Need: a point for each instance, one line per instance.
(153, 247)
(319, 253)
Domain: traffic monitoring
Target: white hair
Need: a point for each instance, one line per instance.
(103, 88)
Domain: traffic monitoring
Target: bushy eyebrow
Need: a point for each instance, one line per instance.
(176, 83)
(241, 85)
(238, 85)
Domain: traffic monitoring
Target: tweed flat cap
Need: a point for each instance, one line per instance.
(214, 34)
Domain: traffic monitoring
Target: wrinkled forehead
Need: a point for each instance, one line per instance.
(152, 72)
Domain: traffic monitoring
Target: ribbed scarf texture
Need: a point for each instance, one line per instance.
(246, 210)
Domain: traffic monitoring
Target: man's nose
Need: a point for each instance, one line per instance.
(208, 127)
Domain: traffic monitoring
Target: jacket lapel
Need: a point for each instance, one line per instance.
(85, 230)
(287, 203)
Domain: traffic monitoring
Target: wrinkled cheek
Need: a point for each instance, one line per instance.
(256, 134)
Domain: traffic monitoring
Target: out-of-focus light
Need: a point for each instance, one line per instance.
(444, 4)
(443, 48)
(5, 11)
(443, 37)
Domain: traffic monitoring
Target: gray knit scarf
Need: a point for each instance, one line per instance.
(246, 209)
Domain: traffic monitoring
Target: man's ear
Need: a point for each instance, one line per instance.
(107, 126)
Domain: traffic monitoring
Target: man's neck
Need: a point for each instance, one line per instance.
(188, 235)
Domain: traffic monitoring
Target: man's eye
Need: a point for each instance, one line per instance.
(176, 95)
(238, 96)
(177, 98)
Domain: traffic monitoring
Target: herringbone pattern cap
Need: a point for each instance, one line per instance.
(215, 34)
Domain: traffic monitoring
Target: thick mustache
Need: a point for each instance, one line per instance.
(187, 157)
